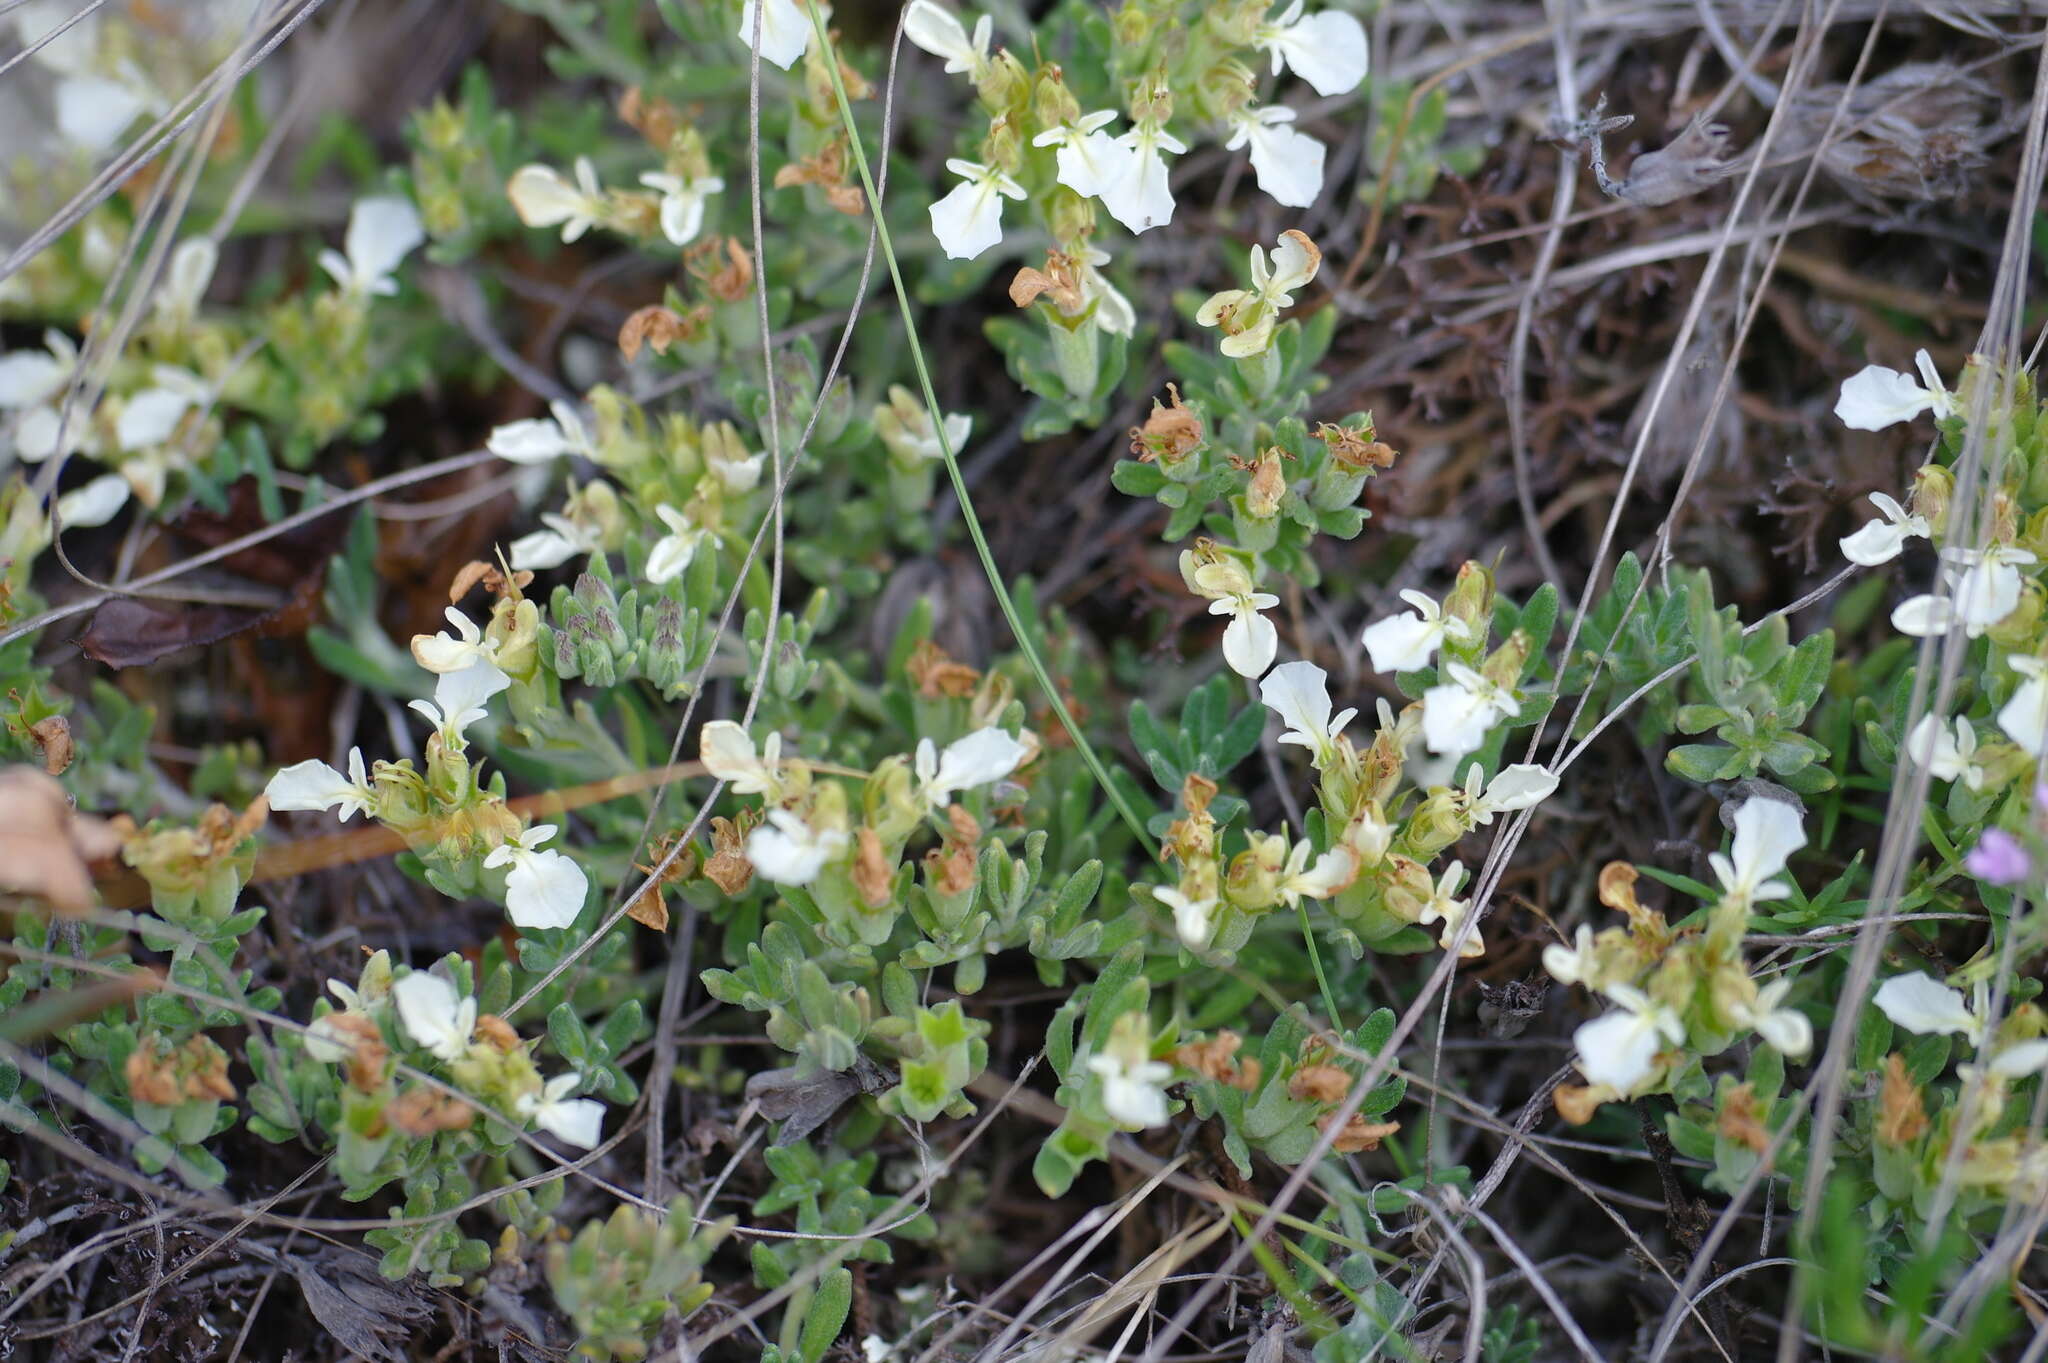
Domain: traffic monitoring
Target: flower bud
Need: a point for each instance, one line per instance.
(1052, 103)
(1253, 881)
(1003, 87)
(1236, 23)
(1408, 887)
(2021, 629)
(1071, 218)
(1268, 485)
(889, 803)
(515, 628)
(665, 661)
(1503, 667)
(1368, 834)
(1471, 600)
(1933, 486)
(1438, 822)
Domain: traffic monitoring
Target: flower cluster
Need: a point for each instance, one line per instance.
(1681, 994)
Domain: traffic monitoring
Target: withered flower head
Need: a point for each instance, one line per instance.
(495, 1031)
(1358, 1135)
(52, 738)
(492, 578)
(873, 876)
(421, 1112)
(728, 867)
(653, 325)
(653, 117)
(1901, 1116)
(1170, 434)
(1217, 1059)
(1738, 1119)
(1356, 449)
(723, 266)
(935, 673)
(1059, 282)
(1319, 1084)
(1618, 892)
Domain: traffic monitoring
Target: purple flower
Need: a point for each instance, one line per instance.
(1998, 858)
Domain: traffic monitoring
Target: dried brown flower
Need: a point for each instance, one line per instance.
(935, 673)
(1217, 1059)
(653, 325)
(1358, 1135)
(1060, 281)
(422, 1112)
(1170, 434)
(728, 867)
(52, 737)
(1739, 1121)
(873, 876)
(1319, 1084)
(1358, 449)
(1901, 1116)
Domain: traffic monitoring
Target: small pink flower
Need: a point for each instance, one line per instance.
(1998, 858)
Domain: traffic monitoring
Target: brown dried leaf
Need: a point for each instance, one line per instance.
(45, 845)
(52, 736)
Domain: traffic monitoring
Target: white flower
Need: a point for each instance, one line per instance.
(1287, 162)
(940, 34)
(1113, 311)
(1249, 640)
(94, 503)
(382, 231)
(150, 417)
(544, 889)
(184, 283)
(1457, 714)
(460, 698)
(789, 851)
(315, 785)
(1133, 1090)
(1880, 541)
(728, 754)
(562, 540)
(536, 440)
(433, 1015)
(1920, 1003)
(576, 1121)
(1299, 693)
(29, 378)
(1089, 160)
(1247, 316)
(445, 653)
(2025, 716)
(1138, 195)
(1521, 786)
(983, 756)
(1989, 588)
(92, 113)
(1574, 964)
(672, 553)
(682, 204)
(2024, 1057)
(1406, 642)
(1333, 871)
(542, 198)
(1443, 907)
(1193, 919)
(785, 31)
(1875, 397)
(1786, 1030)
(1619, 1048)
(970, 219)
(739, 472)
(1946, 752)
(1767, 833)
(1327, 49)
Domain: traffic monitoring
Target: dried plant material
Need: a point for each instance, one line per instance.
(649, 909)
(723, 266)
(52, 737)
(804, 1099)
(1577, 1103)
(827, 171)
(165, 1076)
(423, 1112)
(1506, 1010)
(1698, 158)
(873, 876)
(961, 826)
(1319, 1084)
(1059, 282)
(46, 846)
(1170, 434)
(495, 1031)
(477, 573)
(1901, 1116)
(359, 1310)
(1738, 1119)
(951, 868)
(1357, 1135)
(653, 325)
(1356, 450)
(653, 117)
(1919, 132)
(728, 867)
(367, 1051)
(1618, 892)
(936, 674)
(1217, 1059)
